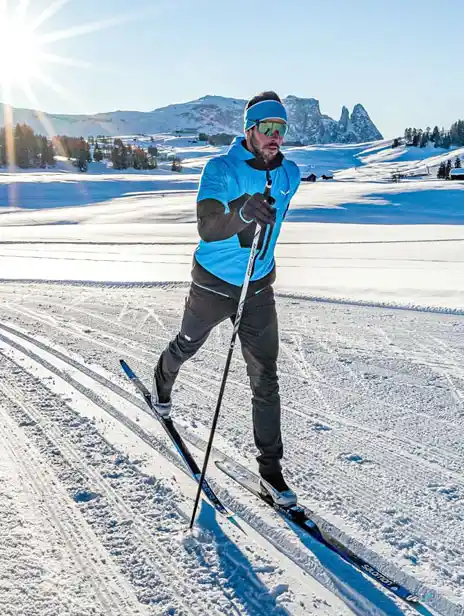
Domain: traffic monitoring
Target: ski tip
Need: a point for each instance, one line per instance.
(233, 521)
(126, 369)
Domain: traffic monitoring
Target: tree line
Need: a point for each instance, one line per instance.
(131, 155)
(445, 168)
(24, 149)
(441, 138)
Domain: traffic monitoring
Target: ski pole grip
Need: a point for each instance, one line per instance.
(267, 192)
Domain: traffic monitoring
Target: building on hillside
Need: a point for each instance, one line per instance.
(312, 177)
(327, 176)
(457, 174)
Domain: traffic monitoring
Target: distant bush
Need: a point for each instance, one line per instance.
(220, 139)
(176, 165)
(97, 154)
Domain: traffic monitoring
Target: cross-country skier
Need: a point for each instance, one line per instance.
(230, 202)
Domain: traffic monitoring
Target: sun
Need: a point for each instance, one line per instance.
(20, 60)
(26, 56)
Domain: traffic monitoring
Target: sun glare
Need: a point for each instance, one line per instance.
(26, 52)
(21, 52)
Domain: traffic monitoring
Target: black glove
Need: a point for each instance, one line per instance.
(259, 208)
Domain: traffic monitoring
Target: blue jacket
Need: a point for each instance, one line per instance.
(230, 179)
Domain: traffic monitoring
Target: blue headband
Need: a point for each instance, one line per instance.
(262, 111)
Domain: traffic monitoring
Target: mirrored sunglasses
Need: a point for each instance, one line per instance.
(268, 128)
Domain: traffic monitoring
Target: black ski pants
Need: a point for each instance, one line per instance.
(259, 339)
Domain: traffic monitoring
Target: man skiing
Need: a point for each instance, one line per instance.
(231, 201)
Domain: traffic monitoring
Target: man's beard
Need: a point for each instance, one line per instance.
(265, 155)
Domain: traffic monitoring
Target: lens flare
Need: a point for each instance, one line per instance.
(21, 51)
(26, 52)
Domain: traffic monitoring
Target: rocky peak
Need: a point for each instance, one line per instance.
(344, 119)
(214, 114)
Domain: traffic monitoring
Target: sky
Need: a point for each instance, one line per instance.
(399, 58)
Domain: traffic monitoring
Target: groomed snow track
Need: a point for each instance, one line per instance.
(68, 343)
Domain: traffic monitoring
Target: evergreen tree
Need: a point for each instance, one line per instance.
(449, 166)
(441, 175)
(457, 163)
(407, 135)
(152, 162)
(140, 159)
(49, 154)
(119, 155)
(27, 147)
(446, 143)
(461, 132)
(457, 133)
(435, 134)
(43, 152)
(97, 154)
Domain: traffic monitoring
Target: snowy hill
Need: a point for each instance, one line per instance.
(210, 114)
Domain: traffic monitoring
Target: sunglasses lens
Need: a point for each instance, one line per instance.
(269, 128)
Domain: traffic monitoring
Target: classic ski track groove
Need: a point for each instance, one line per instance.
(393, 452)
(362, 493)
(320, 378)
(271, 534)
(74, 531)
(220, 355)
(127, 422)
(195, 605)
(356, 489)
(167, 338)
(302, 411)
(171, 455)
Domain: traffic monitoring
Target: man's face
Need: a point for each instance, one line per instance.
(267, 146)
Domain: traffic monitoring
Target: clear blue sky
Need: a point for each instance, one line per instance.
(402, 59)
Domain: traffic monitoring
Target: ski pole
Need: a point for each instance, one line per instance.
(238, 317)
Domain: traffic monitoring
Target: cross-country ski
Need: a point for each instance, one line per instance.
(304, 519)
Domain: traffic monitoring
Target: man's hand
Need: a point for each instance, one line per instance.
(258, 208)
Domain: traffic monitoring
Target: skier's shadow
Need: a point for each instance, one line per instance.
(357, 591)
(236, 573)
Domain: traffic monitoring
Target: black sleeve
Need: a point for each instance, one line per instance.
(214, 224)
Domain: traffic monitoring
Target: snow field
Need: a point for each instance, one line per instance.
(390, 485)
(94, 499)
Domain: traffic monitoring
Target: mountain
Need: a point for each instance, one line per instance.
(210, 114)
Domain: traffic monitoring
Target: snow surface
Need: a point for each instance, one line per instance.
(94, 500)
